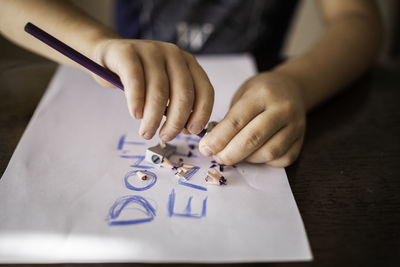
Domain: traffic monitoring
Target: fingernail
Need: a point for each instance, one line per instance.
(148, 135)
(138, 115)
(166, 137)
(207, 151)
(195, 128)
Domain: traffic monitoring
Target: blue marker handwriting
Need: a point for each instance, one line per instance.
(131, 182)
(188, 210)
(195, 186)
(126, 201)
(152, 180)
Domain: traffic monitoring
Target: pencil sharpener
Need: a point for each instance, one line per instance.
(156, 154)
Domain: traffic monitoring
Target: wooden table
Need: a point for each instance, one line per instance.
(346, 181)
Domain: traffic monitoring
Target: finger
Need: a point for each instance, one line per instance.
(181, 93)
(157, 90)
(289, 157)
(185, 131)
(251, 137)
(236, 119)
(131, 74)
(277, 145)
(102, 82)
(204, 96)
(130, 71)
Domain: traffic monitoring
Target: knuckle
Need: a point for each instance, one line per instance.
(288, 108)
(171, 47)
(235, 122)
(182, 105)
(152, 46)
(185, 99)
(161, 81)
(126, 52)
(271, 153)
(126, 47)
(254, 140)
(159, 85)
(161, 98)
(174, 127)
(263, 92)
(154, 50)
(189, 57)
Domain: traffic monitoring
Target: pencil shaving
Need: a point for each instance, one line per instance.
(167, 164)
(182, 169)
(141, 175)
(211, 180)
(214, 177)
(187, 166)
(180, 174)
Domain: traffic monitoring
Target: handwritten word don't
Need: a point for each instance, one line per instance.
(136, 209)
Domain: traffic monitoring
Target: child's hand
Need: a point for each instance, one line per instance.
(154, 73)
(266, 123)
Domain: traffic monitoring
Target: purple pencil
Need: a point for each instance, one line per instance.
(71, 53)
(81, 59)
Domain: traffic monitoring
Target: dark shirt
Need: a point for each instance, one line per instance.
(210, 27)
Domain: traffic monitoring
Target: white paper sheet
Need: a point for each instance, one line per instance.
(74, 163)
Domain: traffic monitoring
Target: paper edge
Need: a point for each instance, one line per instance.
(34, 116)
(46, 95)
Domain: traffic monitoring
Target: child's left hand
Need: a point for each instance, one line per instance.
(265, 124)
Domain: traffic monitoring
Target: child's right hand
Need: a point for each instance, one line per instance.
(265, 124)
(156, 73)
